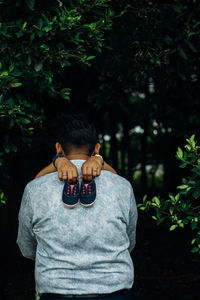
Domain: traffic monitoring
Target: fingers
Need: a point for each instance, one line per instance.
(68, 171)
(64, 176)
(86, 173)
(60, 175)
(96, 172)
(89, 172)
(71, 174)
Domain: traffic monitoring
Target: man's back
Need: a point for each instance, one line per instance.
(81, 250)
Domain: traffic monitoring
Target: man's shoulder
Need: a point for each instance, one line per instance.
(46, 180)
(115, 179)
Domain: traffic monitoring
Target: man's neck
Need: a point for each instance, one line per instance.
(77, 156)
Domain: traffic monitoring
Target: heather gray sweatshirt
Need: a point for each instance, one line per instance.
(80, 250)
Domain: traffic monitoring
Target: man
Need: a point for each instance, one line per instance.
(81, 251)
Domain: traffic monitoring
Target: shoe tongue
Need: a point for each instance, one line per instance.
(86, 182)
(72, 185)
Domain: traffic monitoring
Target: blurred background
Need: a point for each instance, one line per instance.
(133, 67)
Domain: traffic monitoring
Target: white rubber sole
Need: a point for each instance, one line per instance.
(70, 206)
(87, 205)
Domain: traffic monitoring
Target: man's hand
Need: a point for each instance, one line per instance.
(91, 167)
(66, 170)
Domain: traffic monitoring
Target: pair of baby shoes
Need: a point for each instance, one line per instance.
(72, 194)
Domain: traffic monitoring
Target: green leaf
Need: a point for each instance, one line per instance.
(190, 45)
(45, 18)
(5, 73)
(156, 200)
(182, 187)
(40, 23)
(177, 197)
(45, 47)
(29, 60)
(172, 227)
(144, 198)
(26, 121)
(38, 65)
(177, 8)
(196, 193)
(194, 225)
(142, 208)
(17, 84)
(30, 3)
(11, 68)
(14, 148)
(182, 53)
(24, 26)
(65, 93)
(196, 170)
(65, 63)
(188, 147)
(3, 45)
(192, 142)
(180, 153)
(168, 40)
(47, 28)
(6, 148)
(90, 57)
(195, 249)
(172, 198)
(32, 36)
(196, 25)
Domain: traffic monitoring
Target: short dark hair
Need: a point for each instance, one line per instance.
(75, 131)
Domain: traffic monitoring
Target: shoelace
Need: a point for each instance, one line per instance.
(73, 189)
(86, 186)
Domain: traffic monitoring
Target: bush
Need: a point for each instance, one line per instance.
(181, 209)
(40, 41)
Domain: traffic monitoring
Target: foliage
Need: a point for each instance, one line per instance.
(40, 42)
(144, 70)
(181, 209)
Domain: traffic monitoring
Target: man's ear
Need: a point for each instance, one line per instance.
(59, 149)
(96, 149)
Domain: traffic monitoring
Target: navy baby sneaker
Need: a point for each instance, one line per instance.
(87, 193)
(70, 194)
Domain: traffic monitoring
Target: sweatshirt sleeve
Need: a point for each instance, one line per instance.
(133, 216)
(25, 238)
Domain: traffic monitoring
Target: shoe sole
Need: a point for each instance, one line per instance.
(87, 205)
(70, 206)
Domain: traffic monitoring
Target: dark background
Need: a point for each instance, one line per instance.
(142, 92)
